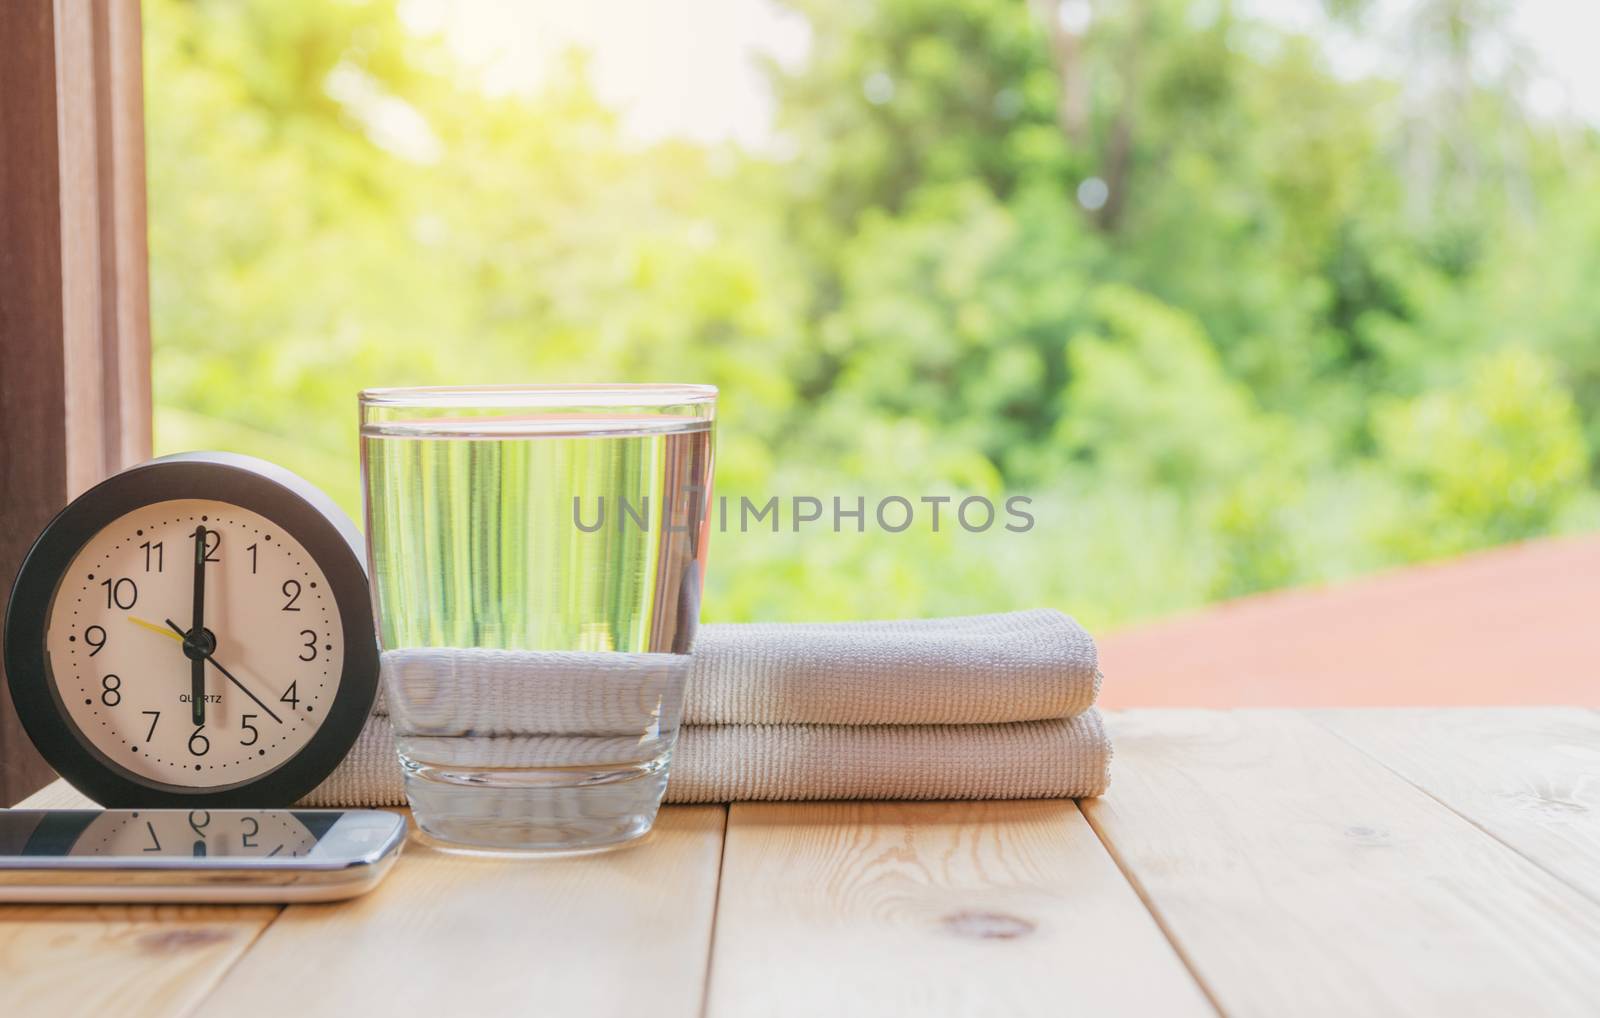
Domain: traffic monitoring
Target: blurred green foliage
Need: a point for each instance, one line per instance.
(1234, 322)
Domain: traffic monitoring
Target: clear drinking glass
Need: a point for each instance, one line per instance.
(536, 555)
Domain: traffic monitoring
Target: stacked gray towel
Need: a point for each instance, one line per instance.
(980, 707)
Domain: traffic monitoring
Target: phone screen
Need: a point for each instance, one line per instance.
(158, 833)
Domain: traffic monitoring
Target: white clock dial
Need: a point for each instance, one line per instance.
(195, 833)
(123, 668)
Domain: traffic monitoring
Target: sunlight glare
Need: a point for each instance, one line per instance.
(689, 70)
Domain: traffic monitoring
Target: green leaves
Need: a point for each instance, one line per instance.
(1149, 399)
(1329, 326)
(1497, 457)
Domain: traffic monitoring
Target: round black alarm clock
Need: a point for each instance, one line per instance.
(196, 630)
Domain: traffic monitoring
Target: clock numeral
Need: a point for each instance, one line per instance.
(199, 826)
(203, 742)
(310, 644)
(252, 551)
(289, 697)
(155, 716)
(291, 590)
(117, 590)
(255, 828)
(155, 842)
(244, 722)
(213, 542)
(160, 556)
(95, 636)
(111, 690)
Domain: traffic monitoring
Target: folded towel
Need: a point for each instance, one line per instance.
(987, 706)
(1057, 758)
(980, 669)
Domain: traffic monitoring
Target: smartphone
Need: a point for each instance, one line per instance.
(177, 855)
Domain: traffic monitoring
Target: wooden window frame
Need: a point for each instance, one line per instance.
(74, 286)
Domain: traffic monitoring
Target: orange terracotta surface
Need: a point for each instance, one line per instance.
(1514, 625)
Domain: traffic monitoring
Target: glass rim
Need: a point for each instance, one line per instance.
(554, 396)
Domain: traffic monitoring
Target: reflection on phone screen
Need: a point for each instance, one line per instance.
(157, 833)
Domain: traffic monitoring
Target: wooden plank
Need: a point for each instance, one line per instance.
(618, 933)
(80, 356)
(104, 343)
(123, 242)
(932, 909)
(1529, 776)
(116, 959)
(33, 456)
(1300, 876)
(74, 304)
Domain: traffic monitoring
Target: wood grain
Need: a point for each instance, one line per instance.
(1300, 876)
(116, 959)
(74, 296)
(33, 454)
(933, 909)
(1293, 872)
(618, 933)
(1528, 776)
(124, 246)
(105, 335)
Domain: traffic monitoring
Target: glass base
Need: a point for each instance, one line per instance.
(537, 812)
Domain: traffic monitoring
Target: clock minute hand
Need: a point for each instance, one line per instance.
(243, 689)
(197, 665)
(229, 675)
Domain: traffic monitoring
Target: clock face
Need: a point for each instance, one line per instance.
(126, 656)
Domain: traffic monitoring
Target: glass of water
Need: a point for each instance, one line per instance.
(536, 555)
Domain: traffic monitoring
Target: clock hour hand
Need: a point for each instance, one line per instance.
(197, 664)
(206, 656)
(144, 624)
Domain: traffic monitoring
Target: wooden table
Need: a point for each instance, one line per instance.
(1361, 862)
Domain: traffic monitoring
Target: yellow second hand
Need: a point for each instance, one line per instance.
(163, 630)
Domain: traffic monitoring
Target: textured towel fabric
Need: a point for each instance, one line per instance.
(980, 669)
(1059, 758)
(987, 706)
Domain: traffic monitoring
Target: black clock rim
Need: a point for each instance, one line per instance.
(309, 516)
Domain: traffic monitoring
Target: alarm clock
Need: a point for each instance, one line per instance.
(194, 631)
